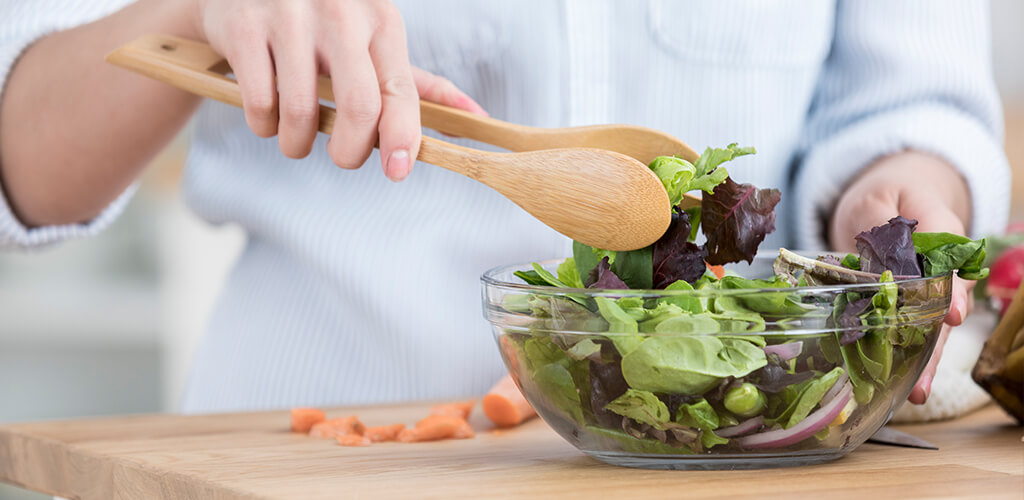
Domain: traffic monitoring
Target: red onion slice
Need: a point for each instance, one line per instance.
(785, 352)
(806, 428)
(744, 427)
(840, 382)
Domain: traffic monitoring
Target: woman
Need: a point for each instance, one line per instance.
(353, 289)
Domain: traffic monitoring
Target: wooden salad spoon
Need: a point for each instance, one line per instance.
(599, 197)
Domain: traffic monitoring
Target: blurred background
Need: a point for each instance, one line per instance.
(106, 325)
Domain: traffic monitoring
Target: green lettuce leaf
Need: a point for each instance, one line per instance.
(689, 365)
(568, 274)
(708, 175)
(812, 395)
(946, 252)
(675, 174)
(699, 415)
(642, 406)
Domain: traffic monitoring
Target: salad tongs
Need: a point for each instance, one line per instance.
(591, 184)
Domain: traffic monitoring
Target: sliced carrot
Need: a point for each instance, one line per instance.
(354, 440)
(324, 431)
(461, 409)
(384, 432)
(303, 419)
(718, 271)
(505, 405)
(337, 427)
(464, 431)
(435, 427)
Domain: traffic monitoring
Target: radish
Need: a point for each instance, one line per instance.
(1006, 275)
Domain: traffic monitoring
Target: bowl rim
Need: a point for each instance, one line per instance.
(489, 280)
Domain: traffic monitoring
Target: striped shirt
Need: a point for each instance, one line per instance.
(352, 289)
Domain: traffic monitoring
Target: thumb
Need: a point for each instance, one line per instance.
(441, 90)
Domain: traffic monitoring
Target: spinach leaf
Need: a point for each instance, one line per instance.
(689, 365)
(945, 252)
(620, 325)
(633, 267)
(787, 304)
(689, 324)
(698, 415)
(812, 395)
(851, 261)
(632, 444)
(584, 349)
(686, 303)
(568, 274)
(642, 406)
(531, 278)
(557, 384)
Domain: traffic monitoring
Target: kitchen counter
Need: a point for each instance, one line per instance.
(253, 455)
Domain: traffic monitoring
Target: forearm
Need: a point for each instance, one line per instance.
(75, 131)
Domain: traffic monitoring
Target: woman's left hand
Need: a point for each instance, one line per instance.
(917, 186)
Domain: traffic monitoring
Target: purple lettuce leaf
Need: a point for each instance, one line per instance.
(851, 318)
(889, 247)
(675, 257)
(603, 278)
(735, 220)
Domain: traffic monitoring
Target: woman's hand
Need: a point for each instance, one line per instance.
(278, 48)
(916, 186)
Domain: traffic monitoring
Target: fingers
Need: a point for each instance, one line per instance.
(438, 89)
(250, 61)
(959, 303)
(357, 98)
(399, 127)
(294, 53)
(923, 387)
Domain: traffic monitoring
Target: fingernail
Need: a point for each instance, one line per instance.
(926, 385)
(398, 165)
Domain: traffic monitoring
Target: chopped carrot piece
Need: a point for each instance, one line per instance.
(354, 440)
(384, 432)
(464, 431)
(338, 427)
(505, 405)
(303, 419)
(436, 427)
(324, 431)
(461, 409)
(718, 271)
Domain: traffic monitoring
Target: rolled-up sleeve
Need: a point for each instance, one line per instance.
(21, 24)
(913, 74)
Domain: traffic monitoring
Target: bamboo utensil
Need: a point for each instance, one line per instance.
(594, 195)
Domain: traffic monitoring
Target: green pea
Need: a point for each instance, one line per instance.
(745, 401)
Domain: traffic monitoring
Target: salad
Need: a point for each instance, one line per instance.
(668, 352)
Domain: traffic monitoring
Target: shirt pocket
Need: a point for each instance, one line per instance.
(779, 33)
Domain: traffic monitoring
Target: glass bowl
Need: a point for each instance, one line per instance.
(797, 383)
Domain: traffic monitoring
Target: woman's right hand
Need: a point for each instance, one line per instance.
(360, 44)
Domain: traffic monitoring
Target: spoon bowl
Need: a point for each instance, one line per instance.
(602, 198)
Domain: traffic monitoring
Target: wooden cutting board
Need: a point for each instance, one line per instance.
(253, 455)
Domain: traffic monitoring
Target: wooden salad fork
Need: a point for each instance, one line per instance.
(585, 182)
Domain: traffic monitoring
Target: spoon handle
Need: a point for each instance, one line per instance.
(193, 67)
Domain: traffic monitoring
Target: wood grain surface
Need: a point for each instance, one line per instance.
(254, 456)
